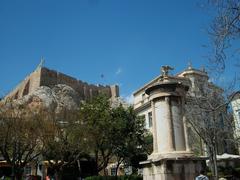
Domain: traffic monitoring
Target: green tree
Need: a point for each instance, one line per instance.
(114, 133)
(129, 135)
(96, 119)
(64, 143)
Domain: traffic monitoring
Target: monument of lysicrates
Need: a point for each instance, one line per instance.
(172, 158)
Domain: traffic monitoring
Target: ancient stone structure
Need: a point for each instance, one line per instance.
(46, 90)
(171, 158)
(199, 85)
(43, 76)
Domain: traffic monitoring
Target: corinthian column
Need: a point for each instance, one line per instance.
(170, 125)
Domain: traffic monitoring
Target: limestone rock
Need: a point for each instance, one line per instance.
(56, 99)
(66, 97)
(117, 101)
(43, 97)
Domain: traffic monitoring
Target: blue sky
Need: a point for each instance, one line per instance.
(126, 40)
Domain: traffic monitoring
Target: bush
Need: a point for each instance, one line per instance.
(237, 169)
(133, 177)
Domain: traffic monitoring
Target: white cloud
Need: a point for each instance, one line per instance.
(129, 99)
(119, 70)
(119, 84)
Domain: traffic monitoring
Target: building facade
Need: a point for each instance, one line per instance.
(235, 103)
(198, 80)
(236, 110)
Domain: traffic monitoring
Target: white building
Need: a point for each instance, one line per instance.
(235, 103)
(198, 80)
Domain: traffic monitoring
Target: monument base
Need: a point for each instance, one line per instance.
(173, 168)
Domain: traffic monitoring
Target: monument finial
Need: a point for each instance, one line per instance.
(165, 70)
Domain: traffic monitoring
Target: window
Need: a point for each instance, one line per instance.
(26, 88)
(150, 119)
(16, 95)
(27, 170)
(113, 171)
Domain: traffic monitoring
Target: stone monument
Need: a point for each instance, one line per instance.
(172, 158)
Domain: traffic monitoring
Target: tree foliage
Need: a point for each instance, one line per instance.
(96, 129)
(64, 144)
(129, 135)
(20, 137)
(95, 118)
(113, 133)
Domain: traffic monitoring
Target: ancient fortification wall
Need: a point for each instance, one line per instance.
(85, 90)
(28, 85)
(46, 77)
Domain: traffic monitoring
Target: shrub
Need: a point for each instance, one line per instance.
(133, 177)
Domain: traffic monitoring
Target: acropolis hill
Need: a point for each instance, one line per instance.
(43, 76)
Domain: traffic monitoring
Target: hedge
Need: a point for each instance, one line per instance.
(133, 177)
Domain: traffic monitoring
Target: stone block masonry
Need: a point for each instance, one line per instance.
(43, 76)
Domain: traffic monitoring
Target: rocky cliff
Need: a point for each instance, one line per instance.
(56, 99)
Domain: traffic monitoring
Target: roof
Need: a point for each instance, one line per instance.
(226, 156)
(191, 70)
(173, 78)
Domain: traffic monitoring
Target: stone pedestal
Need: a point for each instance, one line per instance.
(172, 158)
(172, 168)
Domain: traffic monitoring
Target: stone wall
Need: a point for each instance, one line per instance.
(46, 77)
(28, 85)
